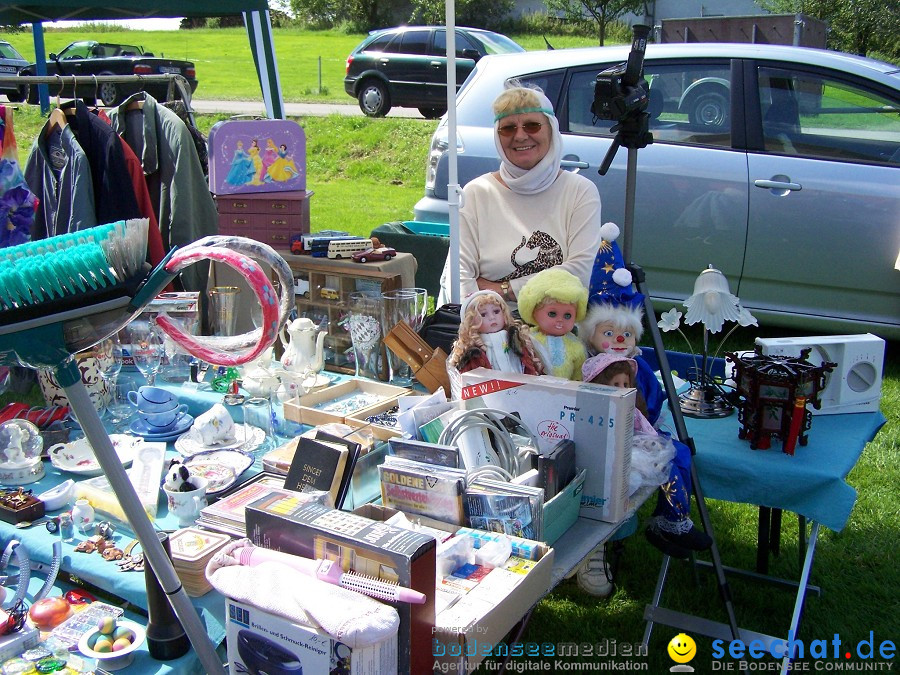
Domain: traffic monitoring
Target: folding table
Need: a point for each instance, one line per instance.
(810, 483)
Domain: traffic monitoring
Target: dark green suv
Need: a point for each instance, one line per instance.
(407, 66)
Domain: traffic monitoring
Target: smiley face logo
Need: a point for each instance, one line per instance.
(682, 648)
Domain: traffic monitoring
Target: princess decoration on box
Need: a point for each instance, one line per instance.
(552, 301)
(490, 337)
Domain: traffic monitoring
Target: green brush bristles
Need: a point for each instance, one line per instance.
(73, 263)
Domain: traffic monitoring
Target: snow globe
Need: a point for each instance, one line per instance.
(20, 453)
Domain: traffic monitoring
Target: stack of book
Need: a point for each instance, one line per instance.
(423, 489)
(191, 550)
(496, 506)
(227, 514)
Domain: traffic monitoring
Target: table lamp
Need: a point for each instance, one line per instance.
(711, 304)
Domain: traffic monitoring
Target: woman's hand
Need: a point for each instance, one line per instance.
(497, 287)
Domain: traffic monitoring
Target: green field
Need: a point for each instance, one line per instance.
(311, 64)
(365, 172)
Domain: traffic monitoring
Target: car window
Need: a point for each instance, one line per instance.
(77, 50)
(415, 42)
(440, 44)
(550, 83)
(822, 117)
(688, 103)
(7, 52)
(380, 43)
(494, 43)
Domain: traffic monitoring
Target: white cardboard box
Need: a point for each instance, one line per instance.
(599, 419)
(259, 642)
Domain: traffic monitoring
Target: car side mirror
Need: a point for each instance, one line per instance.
(471, 54)
(53, 56)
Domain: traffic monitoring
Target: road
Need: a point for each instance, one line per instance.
(293, 109)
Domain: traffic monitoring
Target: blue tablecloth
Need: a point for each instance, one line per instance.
(810, 482)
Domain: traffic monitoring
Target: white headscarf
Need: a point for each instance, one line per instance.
(544, 173)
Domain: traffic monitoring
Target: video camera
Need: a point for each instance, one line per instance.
(621, 91)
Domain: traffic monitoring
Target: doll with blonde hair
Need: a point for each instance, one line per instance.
(489, 337)
(551, 302)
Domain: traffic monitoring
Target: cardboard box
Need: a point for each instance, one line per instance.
(561, 512)
(599, 419)
(259, 642)
(365, 546)
(464, 633)
(334, 404)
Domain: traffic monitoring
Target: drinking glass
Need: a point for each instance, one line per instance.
(364, 319)
(259, 412)
(398, 306)
(146, 349)
(119, 407)
(109, 363)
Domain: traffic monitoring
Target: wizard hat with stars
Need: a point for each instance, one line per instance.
(611, 282)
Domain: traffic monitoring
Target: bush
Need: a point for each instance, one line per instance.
(542, 23)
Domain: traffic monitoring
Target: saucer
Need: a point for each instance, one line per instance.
(247, 439)
(78, 456)
(142, 429)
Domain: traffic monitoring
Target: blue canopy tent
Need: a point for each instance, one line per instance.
(255, 12)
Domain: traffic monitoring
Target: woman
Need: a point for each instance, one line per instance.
(530, 215)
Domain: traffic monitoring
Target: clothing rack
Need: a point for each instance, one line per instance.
(176, 82)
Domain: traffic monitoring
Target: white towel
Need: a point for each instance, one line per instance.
(355, 619)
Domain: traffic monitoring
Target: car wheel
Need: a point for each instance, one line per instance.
(109, 93)
(374, 99)
(363, 259)
(432, 113)
(31, 94)
(709, 109)
(388, 257)
(18, 96)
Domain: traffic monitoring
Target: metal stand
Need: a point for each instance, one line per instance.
(69, 376)
(633, 132)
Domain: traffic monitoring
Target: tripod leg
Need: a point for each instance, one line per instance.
(684, 437)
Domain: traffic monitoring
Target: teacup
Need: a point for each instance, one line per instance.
(149, 399)
(163, 421)
(185, 506)
(215, 426)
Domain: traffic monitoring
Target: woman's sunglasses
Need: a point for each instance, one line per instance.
(508, 130)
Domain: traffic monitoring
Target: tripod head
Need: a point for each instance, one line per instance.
(620, 94)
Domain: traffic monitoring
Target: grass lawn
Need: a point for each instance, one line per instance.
(365, 172)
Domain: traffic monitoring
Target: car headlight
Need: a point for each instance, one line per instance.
(439, 145)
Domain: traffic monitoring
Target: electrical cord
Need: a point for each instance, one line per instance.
(510, 456)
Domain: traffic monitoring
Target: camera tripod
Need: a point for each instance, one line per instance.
(620, 94)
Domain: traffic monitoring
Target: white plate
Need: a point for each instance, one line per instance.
(78, 456)
(247, 439)
(221, 468)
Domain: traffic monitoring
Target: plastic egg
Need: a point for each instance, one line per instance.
(92, 639)
(120, 644)
(103, 645)
(107, 625)
(123, 632)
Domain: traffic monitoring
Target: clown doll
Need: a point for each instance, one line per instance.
(489, 337)
(552, 301)
(614, 325)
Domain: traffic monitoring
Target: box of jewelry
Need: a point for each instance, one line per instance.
(351, 398)
(380, 419)
(17, 505)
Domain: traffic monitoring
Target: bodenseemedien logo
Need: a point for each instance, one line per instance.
(682, 649)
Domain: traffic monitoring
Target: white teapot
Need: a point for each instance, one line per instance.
(305, 351)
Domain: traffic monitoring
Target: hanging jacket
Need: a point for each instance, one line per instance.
(114, 197)
(67, 201)
(185, 208)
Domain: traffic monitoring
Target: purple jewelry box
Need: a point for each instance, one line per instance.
(256, 156)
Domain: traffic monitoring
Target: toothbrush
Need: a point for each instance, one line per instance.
(331, 572)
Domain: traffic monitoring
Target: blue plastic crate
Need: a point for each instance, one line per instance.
(429, 229)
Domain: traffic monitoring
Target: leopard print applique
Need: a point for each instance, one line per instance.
(549, 255)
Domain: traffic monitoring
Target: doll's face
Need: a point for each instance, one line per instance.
(555, 318)
(612, 339)
(620, 380)
(492, 319)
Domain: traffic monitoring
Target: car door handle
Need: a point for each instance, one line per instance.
(573, 164)
(436, 64)
(777, 185)
(384, 61)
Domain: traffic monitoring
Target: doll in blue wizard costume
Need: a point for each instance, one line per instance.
(614, 325)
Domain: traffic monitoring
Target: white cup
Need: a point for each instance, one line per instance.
(185, 506)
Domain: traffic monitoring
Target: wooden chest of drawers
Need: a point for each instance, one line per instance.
(269, 217)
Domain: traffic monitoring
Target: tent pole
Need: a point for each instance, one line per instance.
(453, 191)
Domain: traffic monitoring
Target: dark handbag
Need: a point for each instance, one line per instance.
(441, 328)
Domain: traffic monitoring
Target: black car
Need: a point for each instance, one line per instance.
(11, 62)
(407, 66)
(88, 57)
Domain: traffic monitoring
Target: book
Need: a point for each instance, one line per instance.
(365, 546)
(497, 506)
(227, 514)
(355, 449)
(419, 488)
(318, 464)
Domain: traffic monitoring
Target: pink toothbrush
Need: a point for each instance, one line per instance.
(329, 571)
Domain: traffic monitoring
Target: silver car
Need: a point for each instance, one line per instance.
(11, 62)
(778, 165)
